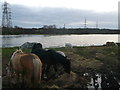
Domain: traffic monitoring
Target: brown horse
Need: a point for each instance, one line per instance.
(28, 65)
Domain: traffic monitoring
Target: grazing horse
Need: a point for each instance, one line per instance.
(28, 65)
(58, 58)
(51, 57)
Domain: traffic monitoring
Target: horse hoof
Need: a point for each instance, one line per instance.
(45, 78)
(56, 76)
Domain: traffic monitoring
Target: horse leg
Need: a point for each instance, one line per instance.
(23, 81)
(47, 70)
(17, 77)
(27, 79)
(56, 71)
(43, 70)
(55, 68)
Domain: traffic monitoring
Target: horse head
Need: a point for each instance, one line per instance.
(37, 45)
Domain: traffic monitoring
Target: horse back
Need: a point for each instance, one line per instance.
(27, 62)
(56, 57)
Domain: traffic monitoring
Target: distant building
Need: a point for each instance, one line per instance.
(49, 27)
(119, 15)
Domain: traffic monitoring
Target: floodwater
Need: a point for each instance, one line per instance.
(58, 40)
(98, 81)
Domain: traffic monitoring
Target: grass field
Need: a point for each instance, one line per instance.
(83, 59)
(0, 65)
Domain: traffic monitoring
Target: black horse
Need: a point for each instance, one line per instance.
(42, 54)
(51, 58)
(57, 58)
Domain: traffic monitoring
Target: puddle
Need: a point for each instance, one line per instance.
(99, 81)
(95, 83)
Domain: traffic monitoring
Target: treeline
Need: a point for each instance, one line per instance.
(17, 31)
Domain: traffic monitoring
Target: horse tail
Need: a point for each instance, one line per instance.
(37, 70)
(34, 70)
(32, 78)
(40, 69)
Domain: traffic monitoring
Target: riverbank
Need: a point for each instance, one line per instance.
(87, 59)
(55, 31)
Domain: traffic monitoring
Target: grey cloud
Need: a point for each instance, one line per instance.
(37, 17)
(0, 13)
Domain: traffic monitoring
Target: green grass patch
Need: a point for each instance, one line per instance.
(7, 52)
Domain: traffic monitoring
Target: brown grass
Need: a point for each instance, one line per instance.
(83, 59)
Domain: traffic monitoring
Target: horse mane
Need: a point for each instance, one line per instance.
(17, 52)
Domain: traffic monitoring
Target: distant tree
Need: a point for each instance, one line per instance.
(45, 26)
(16, 27)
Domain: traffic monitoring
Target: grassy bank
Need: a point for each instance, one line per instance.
(83, 59)
(106, 55)
(54, 31)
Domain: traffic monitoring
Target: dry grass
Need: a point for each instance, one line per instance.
(83, 59)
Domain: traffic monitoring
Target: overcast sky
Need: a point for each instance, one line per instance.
(72, 13)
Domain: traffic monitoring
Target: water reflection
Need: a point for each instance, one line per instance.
(58, 40)
(103, 82)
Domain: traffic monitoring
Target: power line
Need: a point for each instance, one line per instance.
(97, 23)
(6, 17)
(85, 25)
